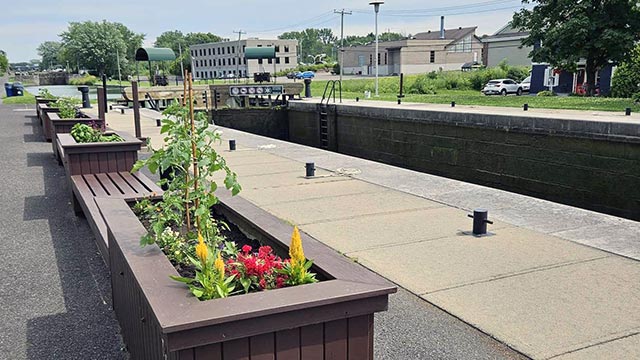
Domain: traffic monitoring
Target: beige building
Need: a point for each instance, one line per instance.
(506, 44)
(226, 59)
(448, 49)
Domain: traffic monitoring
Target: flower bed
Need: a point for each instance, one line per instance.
(63, 126)
(98, 157)
(159, 319)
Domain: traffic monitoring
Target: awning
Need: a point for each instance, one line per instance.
(155, 54)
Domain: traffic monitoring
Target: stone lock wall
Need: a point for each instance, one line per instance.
(593, 165)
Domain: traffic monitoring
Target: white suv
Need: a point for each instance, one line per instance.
(502, 87)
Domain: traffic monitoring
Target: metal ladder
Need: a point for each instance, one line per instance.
(323, 110)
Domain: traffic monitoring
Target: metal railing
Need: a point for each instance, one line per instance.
(332, 91)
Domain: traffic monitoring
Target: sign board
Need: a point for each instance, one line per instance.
(551, 77)
(256, 90)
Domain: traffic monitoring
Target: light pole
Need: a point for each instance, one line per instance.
(376, 6)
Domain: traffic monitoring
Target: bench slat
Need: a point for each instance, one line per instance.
(150, 185)
(108, 184)
(94, 185)
(133, 182)
(124, 187)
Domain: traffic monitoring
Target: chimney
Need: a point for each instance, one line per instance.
(441, 27)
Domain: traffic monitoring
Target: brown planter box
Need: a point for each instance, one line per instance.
(45, 110)
(40, 101)
(63, 126)
(160, 319)
(94, 158)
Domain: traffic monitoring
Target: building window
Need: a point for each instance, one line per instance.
(210, 62)
(192, 53)
(270, 61)
(218, 51)
(370, 59)
(224, 62)
(209, 51)
(260, 61)
(378, 58)
(463, 45)
(286, 60)
(197, 74)
(244, 47)
(259, 45)
(228, 50)
(244, 61)
(210, 74)
(215, 74)
(286, 48)
(277, 48)
(385, 58)
(234, 61)
(233, 49)
(432, 56)
(277, 60)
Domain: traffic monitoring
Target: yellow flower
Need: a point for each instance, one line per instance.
(295, 249)
(219, 265)
(201, 249)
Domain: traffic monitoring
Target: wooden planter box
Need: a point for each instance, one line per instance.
(63, 126)
(94, 158)
(45, 110)
(160, 319)
(42, 101)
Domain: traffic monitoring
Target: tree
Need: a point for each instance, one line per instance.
(598, 31)
(96, 46)
(49, 51)
(4, 62)
(176, 40)
(626, 79)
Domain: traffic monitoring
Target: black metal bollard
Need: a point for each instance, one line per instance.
(525, 107)
(104, 85)
(453, 104)
(627, 111)
(480, 221)
(357, 99)
(307, 88)
(86, 103)
(311, 169)
(232, 145)
(158, 122)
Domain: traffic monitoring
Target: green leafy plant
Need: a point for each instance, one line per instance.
(83, 133)
(45, 94)
(546, 93)
(297, 268)
(67, 107)
(189, 162)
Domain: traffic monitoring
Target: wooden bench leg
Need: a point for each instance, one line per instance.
(77, 209)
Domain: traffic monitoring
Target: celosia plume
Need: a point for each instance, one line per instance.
(201, 249)
(219, 265)
(295, 249)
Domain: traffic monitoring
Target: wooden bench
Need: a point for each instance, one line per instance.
(121, 185)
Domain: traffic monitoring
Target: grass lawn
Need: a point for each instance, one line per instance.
(471, 97)
(28, 98)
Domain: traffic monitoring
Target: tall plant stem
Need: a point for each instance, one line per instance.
(186, 173)
(193, 148)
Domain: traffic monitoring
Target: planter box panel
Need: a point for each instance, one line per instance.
(45, 111)
(91, 158)
(185, 326)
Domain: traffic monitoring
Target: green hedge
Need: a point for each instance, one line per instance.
(84, 80)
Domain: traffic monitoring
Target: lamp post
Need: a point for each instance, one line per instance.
(376, 6)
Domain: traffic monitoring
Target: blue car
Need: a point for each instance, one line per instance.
(305, 75)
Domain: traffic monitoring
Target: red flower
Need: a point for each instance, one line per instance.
(246, 249)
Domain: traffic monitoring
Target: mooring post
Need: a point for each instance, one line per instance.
(480, 221)
(232, 145)
(525, 107)
(136, 109)
(104, 86)
(401, 94)
(310, 169)
(101, 107)
(627, 111)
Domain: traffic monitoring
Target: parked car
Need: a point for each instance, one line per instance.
(526, 84)
(502, 87)
(293, 75)
(305, 75)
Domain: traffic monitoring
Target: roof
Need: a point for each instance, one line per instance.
(506, 33)
(449, 34)
(155, 54)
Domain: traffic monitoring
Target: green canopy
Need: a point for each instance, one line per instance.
(155, 54)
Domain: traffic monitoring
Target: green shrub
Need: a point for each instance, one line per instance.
(517, 73)
(546, 93)
(67, 107)
(83, 133)
(84, 80)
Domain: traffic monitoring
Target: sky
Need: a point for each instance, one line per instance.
(27, 23)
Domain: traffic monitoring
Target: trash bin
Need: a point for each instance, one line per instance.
(18, 89)
(8, 88)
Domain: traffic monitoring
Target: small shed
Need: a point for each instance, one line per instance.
(153, 54)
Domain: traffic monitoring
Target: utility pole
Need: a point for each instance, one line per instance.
(181, 65)
(239, 32)
(342, 13)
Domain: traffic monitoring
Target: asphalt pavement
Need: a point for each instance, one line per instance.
(55, 290)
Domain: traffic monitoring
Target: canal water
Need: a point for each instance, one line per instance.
(113, 92)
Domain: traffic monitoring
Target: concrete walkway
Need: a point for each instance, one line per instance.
(54, 286)
(532, 285)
